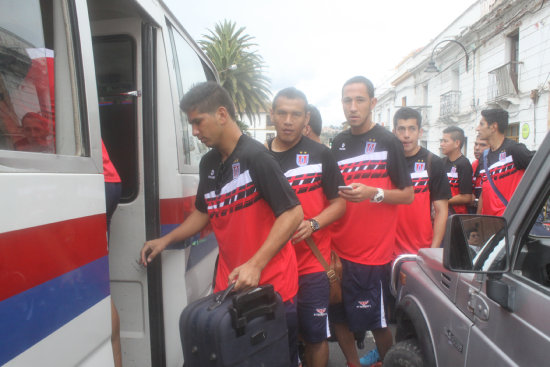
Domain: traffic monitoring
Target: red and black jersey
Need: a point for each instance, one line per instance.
(313, 173)
(366, 232)
(459, 173)
(243, 196)
(506, 165)
(415, 228)
(478, 171)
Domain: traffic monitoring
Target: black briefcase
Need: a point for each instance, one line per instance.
(235, 329)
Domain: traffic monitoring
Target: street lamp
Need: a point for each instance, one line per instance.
(432, 68)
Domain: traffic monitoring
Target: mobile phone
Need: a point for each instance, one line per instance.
(345, 188)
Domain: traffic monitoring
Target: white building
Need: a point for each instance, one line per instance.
(496, 54)
(262, 128)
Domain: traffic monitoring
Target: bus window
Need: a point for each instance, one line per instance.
(116, 78)
(189, 71)
(35, 72)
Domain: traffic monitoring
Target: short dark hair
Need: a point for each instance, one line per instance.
(456, 133)
(497, 115)
(406, 113)
(315, 120)
(207, 97)
(472, 231)
(362, 80)
(290, 93)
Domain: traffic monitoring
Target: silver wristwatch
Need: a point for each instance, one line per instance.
(378, 197)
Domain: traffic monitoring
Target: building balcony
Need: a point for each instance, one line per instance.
(503, 82)
(449, 104)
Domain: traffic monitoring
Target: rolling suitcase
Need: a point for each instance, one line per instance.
(235, 329)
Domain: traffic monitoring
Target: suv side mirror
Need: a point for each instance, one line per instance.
(476, 244)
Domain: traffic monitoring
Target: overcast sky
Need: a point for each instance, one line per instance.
(316, 45)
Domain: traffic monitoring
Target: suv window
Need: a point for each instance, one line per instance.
(533, 260)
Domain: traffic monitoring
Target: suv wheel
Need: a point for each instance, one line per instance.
(406, 353)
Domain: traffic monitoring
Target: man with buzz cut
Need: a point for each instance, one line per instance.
(506, 162)
(315, 125)
(314, 175)
(246, 198)
(373, 164)
(458, 168)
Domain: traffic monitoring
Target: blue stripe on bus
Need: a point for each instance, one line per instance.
(30, 316)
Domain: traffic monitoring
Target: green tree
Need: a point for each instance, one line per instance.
(240, 68)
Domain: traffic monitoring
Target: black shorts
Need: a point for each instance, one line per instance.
(364, 292)
(313, 295)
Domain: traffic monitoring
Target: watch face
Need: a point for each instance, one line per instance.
(314, 224)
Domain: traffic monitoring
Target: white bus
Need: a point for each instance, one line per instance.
(73, 73)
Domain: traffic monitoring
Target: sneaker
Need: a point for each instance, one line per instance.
(370, 358)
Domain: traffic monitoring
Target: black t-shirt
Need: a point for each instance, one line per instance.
(459, 173)
(314, 175)
(242, 197)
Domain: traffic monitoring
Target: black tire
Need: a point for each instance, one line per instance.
(406, 353)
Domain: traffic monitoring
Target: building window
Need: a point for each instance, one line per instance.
(513, 49)
(512, 132)
(403, 101)
(449, 103)
(268, 121)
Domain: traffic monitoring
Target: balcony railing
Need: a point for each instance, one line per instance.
(503, 81)
(449, 103)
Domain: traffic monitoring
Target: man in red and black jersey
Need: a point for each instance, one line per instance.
(246, 198)
(314, 175)
(477, 168)
(458, 168)
(415, 229)
(372, 162)
(506, 161)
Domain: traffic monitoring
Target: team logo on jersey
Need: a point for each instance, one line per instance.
(343, 147)
(369, 148)
(419, 166)
(236, 169)
(302, 159)
(320, 312)
(453, 170)
(363, 304)
(212, 175)
(502, 156)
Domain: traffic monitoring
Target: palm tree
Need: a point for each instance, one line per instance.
(240, 68)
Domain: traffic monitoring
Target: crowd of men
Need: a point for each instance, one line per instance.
(278, 211)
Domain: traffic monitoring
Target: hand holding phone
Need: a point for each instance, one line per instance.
(345, 188)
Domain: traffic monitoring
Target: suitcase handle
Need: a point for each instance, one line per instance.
(261, 301)
(221, 297)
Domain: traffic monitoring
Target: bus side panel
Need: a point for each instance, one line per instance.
(54, 268)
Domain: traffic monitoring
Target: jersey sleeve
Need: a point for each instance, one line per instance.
(465, 173)
(521, 155)
(332, 177)
(397, 165)
(439, 183)
(271, 183)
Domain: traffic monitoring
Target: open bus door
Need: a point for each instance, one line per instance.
(53, 245)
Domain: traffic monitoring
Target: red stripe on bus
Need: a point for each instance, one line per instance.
(32, 256)
(176, 210)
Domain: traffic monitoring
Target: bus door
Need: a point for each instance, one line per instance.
(54, 293)
(121, 77)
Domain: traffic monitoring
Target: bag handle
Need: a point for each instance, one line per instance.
(218, 300)
(331, 274)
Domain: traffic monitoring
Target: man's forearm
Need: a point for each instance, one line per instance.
(440, 220)
(399, 196)
(459, 199)
(334, 211)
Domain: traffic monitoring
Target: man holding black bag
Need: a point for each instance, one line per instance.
(314, 175)
(504, 162)
(246, 198)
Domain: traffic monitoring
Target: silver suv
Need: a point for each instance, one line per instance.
(486, 305)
